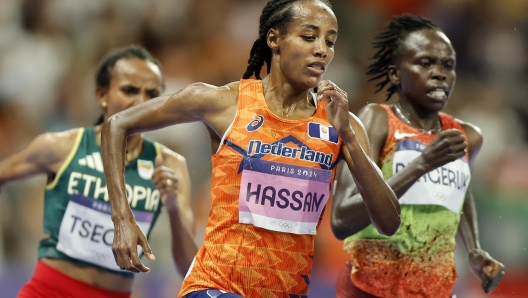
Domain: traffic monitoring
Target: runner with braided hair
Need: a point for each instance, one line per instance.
(427, 157)
(276, 14)
(276, 146)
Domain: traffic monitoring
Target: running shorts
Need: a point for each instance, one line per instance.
(211, 293)
(47, 282)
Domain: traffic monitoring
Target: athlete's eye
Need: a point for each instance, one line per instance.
(308, 38)
(449, 65)
(130, 90)
(330, 43)
(425, 62)
(153, 94)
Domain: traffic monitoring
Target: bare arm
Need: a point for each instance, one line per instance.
(468, 228)
(44, 155)
(172, 179)
(380, 201)
(214, 106)
(349, 214)
(489, 270)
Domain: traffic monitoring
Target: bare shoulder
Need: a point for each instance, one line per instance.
(214, 105)
(57, 141)
(372, 108)
(51, 149)
(474, 136)
(371, 122)
(469, 128)
(356, 122)
(472, 131)
(214, 96)
(376, 122)
(204, 88)
(373, 113)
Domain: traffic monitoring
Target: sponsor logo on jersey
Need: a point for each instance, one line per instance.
(257, 147)
(93, 161)
(145, 168)
(255, 123)
(402, 135)
(322, 132)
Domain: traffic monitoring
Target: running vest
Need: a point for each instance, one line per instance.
(418, 261)
(77, 210)
(270, 182)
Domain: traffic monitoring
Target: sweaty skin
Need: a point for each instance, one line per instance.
(133, 81)
(426, 63)
(299, 59)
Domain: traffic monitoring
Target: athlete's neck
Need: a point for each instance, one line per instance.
(285, 101)
(418, 117)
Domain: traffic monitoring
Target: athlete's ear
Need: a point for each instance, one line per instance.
(272, 38)
(394, 75)
(102, 94)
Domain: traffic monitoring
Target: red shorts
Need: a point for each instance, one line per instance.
(345, 288)
(47, 282)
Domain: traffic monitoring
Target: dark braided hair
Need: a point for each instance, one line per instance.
(276, 14)
(103, 76)
(388, 42)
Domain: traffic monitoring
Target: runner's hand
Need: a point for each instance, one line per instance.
(448, 146)
(336, 101)
(489, 270)
(166, 182)
(127, 236)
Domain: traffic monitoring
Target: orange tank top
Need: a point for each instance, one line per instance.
(271, 180)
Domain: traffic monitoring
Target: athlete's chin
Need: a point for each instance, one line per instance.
(313, 82)
(438, 105)
(433, 105)
(304, 82)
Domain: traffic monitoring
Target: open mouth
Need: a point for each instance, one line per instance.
(438, 93)
(318, 66)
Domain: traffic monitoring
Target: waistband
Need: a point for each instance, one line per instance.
(64, 286)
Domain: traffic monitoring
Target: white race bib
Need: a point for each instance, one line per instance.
(282, 197)
(87, 231)
(445, 186)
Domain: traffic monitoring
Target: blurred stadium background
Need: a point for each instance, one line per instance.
(49, 50)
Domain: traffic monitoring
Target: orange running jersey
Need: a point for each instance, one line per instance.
(271, 180)
(417, 261)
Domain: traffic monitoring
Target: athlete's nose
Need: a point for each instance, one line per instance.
(321, 49)
(438, 73)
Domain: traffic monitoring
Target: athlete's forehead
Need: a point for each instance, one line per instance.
(427, 42)
(137, 71)
(134, 66)
(310, 14)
